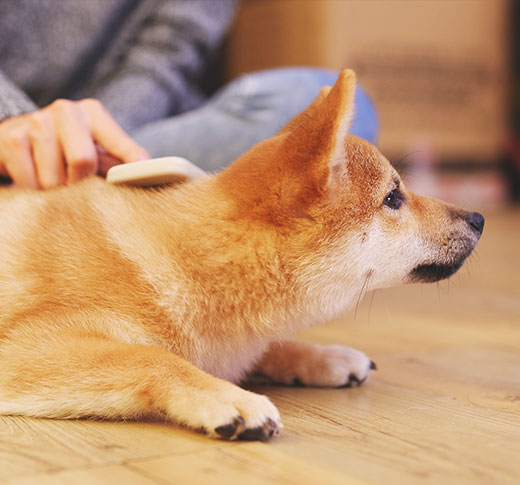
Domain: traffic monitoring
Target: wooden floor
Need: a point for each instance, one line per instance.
(444, 406)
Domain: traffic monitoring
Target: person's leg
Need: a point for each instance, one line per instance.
(245, 112)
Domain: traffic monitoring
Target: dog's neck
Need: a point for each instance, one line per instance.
(273, 274)
(227, 268)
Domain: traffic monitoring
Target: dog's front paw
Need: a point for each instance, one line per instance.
(305, 364)
(335, 366)
(254, 417)
(229, 413)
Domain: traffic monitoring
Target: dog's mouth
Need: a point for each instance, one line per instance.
(429, 273)
(459, 245)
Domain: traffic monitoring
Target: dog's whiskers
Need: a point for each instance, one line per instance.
(475, 258)
(362, 292)
(404, 173)
(370, 305)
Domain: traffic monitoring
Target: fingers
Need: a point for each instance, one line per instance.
(46, 150)
(23, 173)
(63, 142)
(74, 134)
(107, 132)
(15, 152)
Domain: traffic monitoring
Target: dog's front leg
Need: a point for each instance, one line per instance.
(300, 363)
(70, 377)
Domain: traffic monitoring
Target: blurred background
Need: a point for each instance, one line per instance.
(444, 76)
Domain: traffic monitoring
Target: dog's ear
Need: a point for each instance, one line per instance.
(307, 113)
(283, 176)
(318, 141)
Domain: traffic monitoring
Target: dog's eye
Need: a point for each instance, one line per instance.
(394, 199)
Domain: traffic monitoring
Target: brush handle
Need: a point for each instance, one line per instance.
(155, 171)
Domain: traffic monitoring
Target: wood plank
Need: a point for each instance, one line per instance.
(35, 446)
(253, 463)
(98, 476)
(400, 434)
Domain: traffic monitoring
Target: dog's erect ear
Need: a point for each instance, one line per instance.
(283, 176)
(308, 112)
(318, 140)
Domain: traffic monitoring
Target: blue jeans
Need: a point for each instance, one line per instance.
(246, 111)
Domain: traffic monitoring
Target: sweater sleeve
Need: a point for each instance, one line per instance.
(13, 101)
(160, 71)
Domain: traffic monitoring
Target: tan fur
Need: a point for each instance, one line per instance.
(124, 302)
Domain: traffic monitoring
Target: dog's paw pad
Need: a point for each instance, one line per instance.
(260, 433)
(231, 430)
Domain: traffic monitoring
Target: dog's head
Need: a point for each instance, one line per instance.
(342, 207)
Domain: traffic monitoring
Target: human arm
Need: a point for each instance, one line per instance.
(161, 69)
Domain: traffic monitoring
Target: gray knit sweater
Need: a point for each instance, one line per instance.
(144, 59)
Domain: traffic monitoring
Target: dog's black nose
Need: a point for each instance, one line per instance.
(476, 221)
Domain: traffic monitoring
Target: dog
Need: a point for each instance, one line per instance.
(122, 302)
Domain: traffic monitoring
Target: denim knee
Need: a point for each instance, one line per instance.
(277, 95)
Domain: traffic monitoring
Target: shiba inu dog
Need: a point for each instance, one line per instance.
(120, 302)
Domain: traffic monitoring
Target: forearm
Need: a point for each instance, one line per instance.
(136, 98)
(161, 71)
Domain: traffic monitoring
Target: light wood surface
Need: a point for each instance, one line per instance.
(444, 406)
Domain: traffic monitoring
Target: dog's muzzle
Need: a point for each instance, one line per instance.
(435, 271)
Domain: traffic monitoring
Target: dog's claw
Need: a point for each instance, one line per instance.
(261, 433)
(373, 365)
(353, 381)
(229, 431)
(297, 382)
(237, 430)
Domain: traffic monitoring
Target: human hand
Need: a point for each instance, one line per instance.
(62, 143)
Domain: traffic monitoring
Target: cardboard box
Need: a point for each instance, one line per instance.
(437, 70)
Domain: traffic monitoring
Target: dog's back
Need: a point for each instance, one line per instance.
(148, 266)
